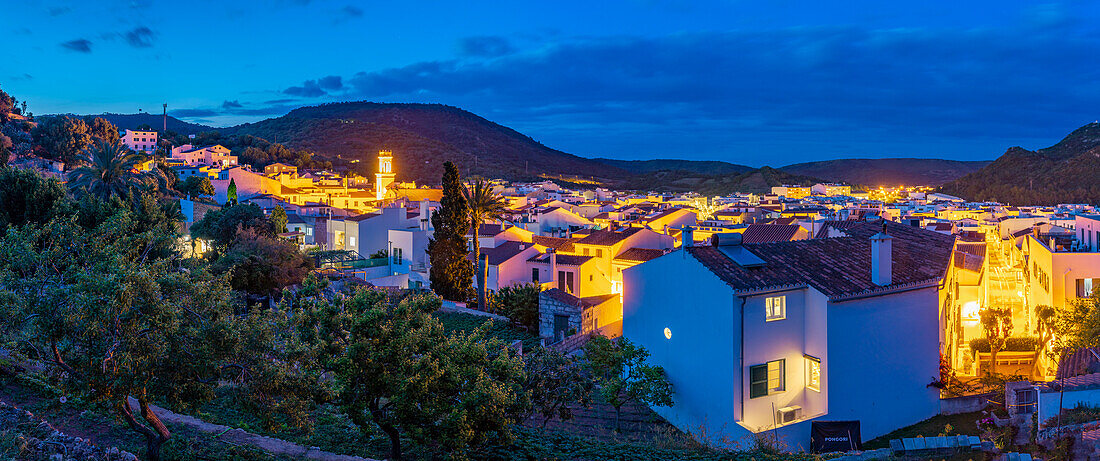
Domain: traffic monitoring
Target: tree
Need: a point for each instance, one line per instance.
(231, 193)
(1076, 325)
(220, 227)
(278, 218)
(555, 381)
(262, 265)
(7, 105)
(451, 273)
(196, 186)
(101, 129)
(6, 145)
(1044, 327)
(997, 325)
(484, 204)
(109, 168)
(622, 374)
(400, 372)
(119, 324)
(27, 197)
(520, 303)
(62, 138)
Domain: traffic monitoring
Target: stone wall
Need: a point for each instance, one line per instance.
(555, 302)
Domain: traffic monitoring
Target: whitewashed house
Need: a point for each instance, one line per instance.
(756, 337)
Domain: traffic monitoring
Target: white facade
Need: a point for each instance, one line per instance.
(874, 356)
(140, 141)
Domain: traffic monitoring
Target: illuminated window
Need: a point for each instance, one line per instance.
(813, 373)
(775, 308)
(767, 378)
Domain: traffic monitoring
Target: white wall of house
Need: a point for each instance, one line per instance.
(704, 330)
(513, 271)
(1088, 232)
(374, 232)
(884, 352)
(1050, 402)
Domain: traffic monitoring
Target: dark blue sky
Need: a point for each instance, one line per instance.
(761, 82)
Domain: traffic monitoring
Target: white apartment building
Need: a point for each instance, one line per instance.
(140, 141)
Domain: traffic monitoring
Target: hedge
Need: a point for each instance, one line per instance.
(1013, 344)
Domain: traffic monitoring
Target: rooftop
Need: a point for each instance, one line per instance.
(838, 267)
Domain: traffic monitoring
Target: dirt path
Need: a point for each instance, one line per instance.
(72, 423)
(274, 446)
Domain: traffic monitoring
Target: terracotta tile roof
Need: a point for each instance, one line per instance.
(760, 233)
(842, 226)
(838, 267)
(486, 230)
(501, 253)
(608, 238)
(557, 243)
(566, 298)
(563, 260)
(969, 255)
(639, 254)
(363, 217)
(1081, 361)
(785, 221)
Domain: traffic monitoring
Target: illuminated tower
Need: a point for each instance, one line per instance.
(384, 177)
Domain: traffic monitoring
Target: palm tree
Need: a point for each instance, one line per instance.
(108, 168)
(484, 204)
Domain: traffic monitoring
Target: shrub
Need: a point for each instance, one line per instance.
(1013, 344)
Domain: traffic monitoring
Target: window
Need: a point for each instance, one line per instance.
(351, 241)
(586, 251)
(535, 275)
(775, 308)
(766, 379)
(1085, 287)
(599, 253)
(813, 373)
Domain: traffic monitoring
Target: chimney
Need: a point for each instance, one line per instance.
(687, 236)
(553, 267)
(881, 258)
(424, 218)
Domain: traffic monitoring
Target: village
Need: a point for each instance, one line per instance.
(768, 312)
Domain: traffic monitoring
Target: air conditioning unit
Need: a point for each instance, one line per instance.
(789, 414)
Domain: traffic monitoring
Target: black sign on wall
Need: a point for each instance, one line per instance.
(830, 436)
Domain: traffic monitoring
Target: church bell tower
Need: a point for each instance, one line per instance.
(384, 177)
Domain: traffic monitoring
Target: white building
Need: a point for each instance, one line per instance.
(757, 337)
(140, 141)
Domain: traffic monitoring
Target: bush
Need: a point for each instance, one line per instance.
(1013, 344)
(520, 303)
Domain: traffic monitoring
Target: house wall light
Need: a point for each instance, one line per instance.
(668, 333)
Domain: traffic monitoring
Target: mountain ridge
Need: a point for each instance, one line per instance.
(425, 135)
(1065, 172)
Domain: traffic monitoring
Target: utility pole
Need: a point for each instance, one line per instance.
(165, 118)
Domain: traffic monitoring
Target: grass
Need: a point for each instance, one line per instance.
(78, 419)
(961, 424)
(501, 329)
(1080, 414)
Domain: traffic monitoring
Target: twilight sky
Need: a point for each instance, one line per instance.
(754, 82)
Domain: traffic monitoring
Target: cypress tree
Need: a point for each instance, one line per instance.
(451, 273)
(231, 193)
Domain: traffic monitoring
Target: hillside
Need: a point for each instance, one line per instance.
(1063, 173)
(156, 122)
(422, 136)
(888, 171)
(709, 167)
(756, 181)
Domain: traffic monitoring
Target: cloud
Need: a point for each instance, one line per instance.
(308, 89)
(350, 11)
(330, 83)
(192, 113)
(485, 46)
(803, 90)
(79, 45)
(140, 37)
(57, 10)
(234, 104)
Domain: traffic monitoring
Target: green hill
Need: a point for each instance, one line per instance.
(888, 171)
(1067, 172)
